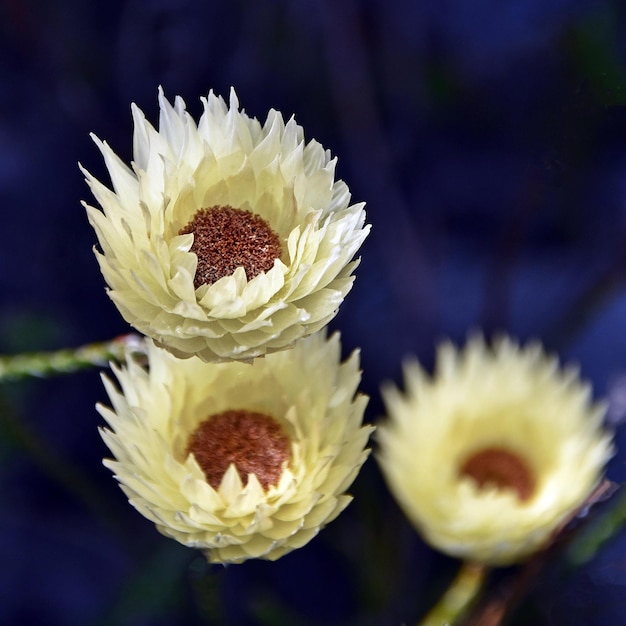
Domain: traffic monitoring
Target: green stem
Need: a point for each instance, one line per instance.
(459, 596)
(41, 364)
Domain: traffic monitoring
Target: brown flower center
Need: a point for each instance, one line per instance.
(254, 442)
(501, 469)
(225, 238)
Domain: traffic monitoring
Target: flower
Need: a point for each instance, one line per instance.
(493, 453)
(240, 460)
(227, 239)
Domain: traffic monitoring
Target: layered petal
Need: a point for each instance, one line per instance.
(227, 160)
(489, 456)
(306, 390)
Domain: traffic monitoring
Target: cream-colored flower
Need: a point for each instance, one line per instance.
(227, 239)
(240, 460)
(493, 453)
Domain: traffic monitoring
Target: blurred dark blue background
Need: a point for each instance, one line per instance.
(489, 141)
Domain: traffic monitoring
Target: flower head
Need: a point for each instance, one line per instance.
(493, 453)
(227, 239)
(240, 460)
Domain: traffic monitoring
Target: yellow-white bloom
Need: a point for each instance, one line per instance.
(493, 453)
(227, 239)
(240, 460)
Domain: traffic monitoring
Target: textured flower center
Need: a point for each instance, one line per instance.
(225, 238)
(254, 442)
(501, 469)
